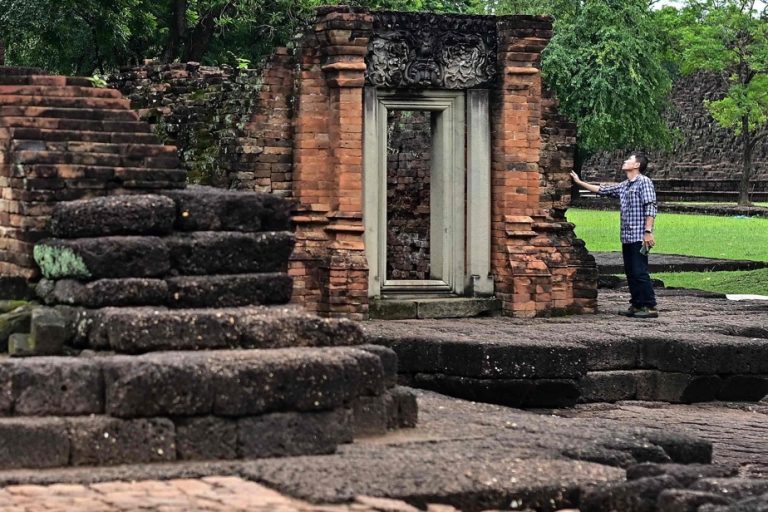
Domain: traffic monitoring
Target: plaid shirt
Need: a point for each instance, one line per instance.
(638, 201)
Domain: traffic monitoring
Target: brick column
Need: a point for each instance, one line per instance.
(330, 264)
(523, 279)
(347, 36)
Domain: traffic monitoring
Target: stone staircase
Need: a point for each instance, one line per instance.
(166, 337)
(164, 333)
(63, 139)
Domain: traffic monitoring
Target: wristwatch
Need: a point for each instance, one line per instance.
(649, 231)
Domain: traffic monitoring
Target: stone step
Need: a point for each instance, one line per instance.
(57, 176)
(142, 149)
(146, 329)
(53, 123)
(229, 290)
(198, 253)
(42, 134)
(176, 292)
(141, 214)
(20, 70)
(57, 91)
(228, 383)
(99, 440)
(48, 442)
(439, 307)
(45, 80)
(63, 101)
(230, 252)
(97, 114)
(214, 209)
(75, 157)
(95, 258)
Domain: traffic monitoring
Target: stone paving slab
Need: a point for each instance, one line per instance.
(461, 453)
(612, 263)
(694, 337)
(144, 329)
(738, 432)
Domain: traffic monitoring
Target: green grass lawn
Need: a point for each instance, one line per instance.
(751, 281)
(693, 235)
(710, 203)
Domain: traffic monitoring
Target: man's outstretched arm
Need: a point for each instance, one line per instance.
(603, 190)
(584, 184)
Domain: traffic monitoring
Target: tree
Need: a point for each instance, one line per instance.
(76, 36)
(605, 64)
(730, 38)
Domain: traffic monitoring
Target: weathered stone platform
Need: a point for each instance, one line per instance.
(698, 350)
(166, 337)
(470, 456)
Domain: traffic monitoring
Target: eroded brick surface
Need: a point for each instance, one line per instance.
(210, 494)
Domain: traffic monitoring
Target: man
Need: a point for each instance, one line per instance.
(638, 212)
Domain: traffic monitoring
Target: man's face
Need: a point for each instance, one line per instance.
(630, 164)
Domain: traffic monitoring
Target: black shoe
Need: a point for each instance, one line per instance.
(646, 313)
(630, 312)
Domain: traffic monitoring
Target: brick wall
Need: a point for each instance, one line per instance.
(232, 127)
(534, 263)
(329, 263)
(62, 139)
(409, 159)
(705, 164)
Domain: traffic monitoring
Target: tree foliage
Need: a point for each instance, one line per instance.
(604, 63)
(730, 39)
(83, 36)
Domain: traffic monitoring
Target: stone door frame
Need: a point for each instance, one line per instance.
(462, 259)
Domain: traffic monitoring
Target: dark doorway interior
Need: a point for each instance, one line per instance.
(409, 160)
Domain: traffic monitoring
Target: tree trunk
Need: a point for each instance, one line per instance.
(177, 29)
(746, 164)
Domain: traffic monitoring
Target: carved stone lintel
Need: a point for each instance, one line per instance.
(425, 50)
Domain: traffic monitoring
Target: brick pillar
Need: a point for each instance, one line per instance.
(346, 38)
(330, 265)
(523, 279)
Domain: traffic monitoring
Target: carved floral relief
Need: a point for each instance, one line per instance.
(413, 51)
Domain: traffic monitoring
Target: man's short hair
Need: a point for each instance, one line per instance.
(640, 157)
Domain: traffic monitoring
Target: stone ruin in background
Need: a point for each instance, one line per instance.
(705, 165)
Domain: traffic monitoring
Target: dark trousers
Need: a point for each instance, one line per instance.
(636, 269)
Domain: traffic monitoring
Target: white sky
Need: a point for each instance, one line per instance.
(759, 4)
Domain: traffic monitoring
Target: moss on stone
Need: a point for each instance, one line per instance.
(60, 262)
(10, 305)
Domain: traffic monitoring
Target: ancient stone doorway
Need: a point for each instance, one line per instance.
(443, 246)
